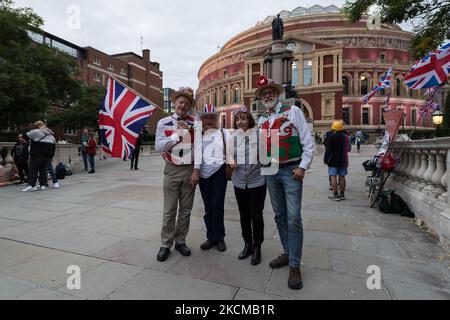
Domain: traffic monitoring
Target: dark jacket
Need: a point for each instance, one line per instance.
(337, 147)
(20, 152)
(42, 142)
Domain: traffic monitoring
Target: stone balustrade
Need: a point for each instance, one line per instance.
(421, 179)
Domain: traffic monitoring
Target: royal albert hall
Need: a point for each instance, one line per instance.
(334, 64)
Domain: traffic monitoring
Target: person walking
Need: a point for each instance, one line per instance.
(91, 151)
(174, 139)
(20, 155)
(83, 144)
(42, 146)
(249, 185)
(213, 180)
(286, 185)
(336, 158)
(135, 153)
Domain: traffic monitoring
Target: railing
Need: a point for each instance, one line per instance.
(422, 178)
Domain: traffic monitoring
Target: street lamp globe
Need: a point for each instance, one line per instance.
(438, 117)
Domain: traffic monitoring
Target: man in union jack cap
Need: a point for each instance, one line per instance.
(296, 148)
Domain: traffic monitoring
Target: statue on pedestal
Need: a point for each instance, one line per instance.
(277, 28)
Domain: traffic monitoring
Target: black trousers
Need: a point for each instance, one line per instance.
(38, 165)
(251, 205)
(22, 168)
(213, 191)
(135, 158)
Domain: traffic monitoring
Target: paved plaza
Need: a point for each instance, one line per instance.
(109, 224)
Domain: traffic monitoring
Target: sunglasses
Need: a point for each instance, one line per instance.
(242, 109)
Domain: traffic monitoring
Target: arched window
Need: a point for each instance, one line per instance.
(294, 74)
(237, 95)
(345, 82)
(364, 85)
(398, 88)
(225, 97)
(215, 98)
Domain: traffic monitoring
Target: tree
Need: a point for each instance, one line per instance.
(32, 76)
(446, 123)
(83, 112)
(431, 19)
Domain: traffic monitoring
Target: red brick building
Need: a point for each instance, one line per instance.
(335, 63)
(137, 72)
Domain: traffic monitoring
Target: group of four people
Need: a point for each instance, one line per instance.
(206, 157)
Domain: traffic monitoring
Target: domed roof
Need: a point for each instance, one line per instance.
(301, 11)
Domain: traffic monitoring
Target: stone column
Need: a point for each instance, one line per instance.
(335, 69)
(430, 172)
(438, 174)
(402, 167)
(422, 170)
(408, 171)
(443, 196)
(415, 169)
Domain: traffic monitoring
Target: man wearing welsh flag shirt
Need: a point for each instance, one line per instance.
(296, 148)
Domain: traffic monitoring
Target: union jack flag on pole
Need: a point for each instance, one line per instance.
(122, 116)
(383, 83)
(431, 71)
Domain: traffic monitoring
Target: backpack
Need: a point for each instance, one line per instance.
(68, 170)
(60, 171)
(390, 202)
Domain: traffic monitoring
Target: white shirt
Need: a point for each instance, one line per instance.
(212, 152)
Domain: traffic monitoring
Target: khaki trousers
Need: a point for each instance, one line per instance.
(177, 190)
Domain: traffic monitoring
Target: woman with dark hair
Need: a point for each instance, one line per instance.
(249, 184)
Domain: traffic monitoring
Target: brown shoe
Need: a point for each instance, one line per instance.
(281, 261)
(295, 279)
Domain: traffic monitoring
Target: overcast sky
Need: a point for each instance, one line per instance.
(181, 34)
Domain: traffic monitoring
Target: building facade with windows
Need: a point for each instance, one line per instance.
(168, 105)
(137, 72)
(335, 63)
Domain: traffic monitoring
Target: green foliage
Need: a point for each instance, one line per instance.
(32, 76)
(446, 123)
(83, 112)
(431, 19)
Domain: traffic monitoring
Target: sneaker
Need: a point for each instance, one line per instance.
(43, 188)
(342, 197)
(30, 188)
(56, 185)
(335, 197)
(92, 171)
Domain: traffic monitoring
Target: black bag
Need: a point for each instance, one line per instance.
(60, 171)
(390, 202)
(384, 202)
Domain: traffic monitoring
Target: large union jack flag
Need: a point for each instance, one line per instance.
(122, 116)
(384, 82)
(431, 71)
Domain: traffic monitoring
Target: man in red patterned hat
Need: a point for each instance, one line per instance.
(174, 138)
(296, 148)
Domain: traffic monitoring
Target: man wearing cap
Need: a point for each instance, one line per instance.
(296, 148)
(336, 158)
(174, 139)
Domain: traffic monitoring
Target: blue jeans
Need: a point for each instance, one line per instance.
(286, 197)
(213, 191)
(84, 156)
(51, 172)
(91, 161)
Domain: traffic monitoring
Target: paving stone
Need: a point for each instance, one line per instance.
(101, 281)
(430, 250)
(400, 270)
(11, 288)
(328, 240)
(403, 291)
(152, 284)
(246, 294)
(376, 246)
(224, 269)
(140, 253)
(338, 227)
(6, 223)
(40, 293)
(324, 285)
(48, 269)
